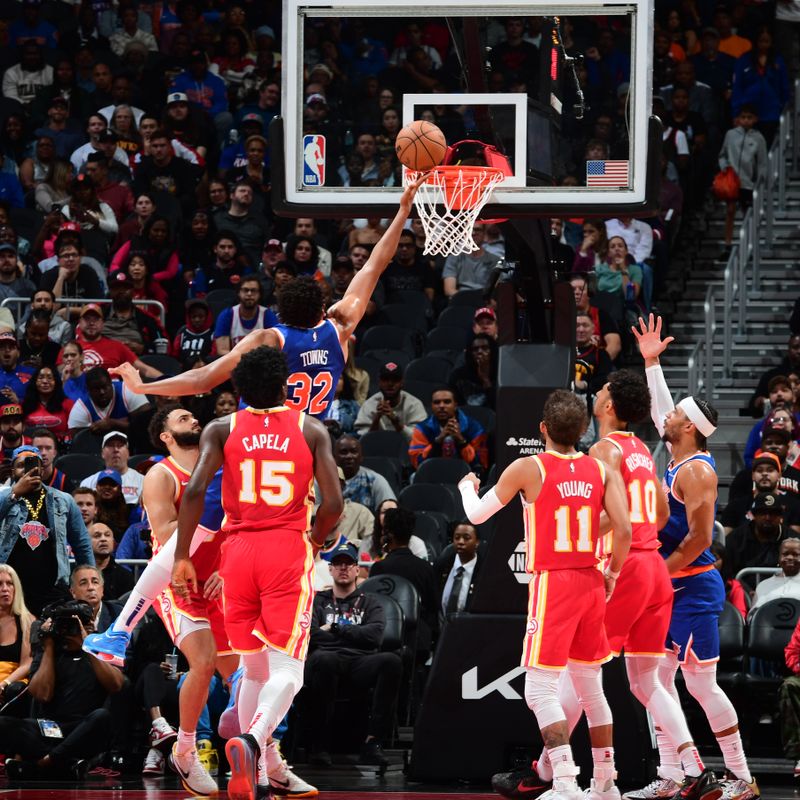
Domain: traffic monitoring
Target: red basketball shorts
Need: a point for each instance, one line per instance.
(268, 591)
(565, 619)
(639, 611)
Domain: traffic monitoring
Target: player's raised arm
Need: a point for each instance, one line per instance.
(350, 310)
(651, 346)
(517, 477)
(327, 477)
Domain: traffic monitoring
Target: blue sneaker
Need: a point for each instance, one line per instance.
(109, 646)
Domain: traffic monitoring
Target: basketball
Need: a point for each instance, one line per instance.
(420, 145)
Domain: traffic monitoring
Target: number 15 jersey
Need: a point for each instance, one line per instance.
(562, 527)
(268, 472)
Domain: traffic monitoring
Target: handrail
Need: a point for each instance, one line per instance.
(759, 572)
(75, 301)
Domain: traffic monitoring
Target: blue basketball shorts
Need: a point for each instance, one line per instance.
(694, 627)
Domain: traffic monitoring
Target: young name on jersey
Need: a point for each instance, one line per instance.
(574, 489)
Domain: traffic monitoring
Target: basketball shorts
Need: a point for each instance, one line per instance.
(565, 619)
(268, 592)
(694, 627)
(638, 613)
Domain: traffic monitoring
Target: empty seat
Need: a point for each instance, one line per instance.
(86, 442)
(428, 529)
(473, 298)
(390, 468)
(441, 470)
(412, 299)
(428, 497)
(220, 299)
(482, 414)
(450, 356)
(446, 338)
(404, 317)
(78, 466)
(387, 337)
(385, 443)
(457, 317)
(428, 368)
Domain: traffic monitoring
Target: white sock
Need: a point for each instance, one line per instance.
(276, 695)
(186, 742)
(569, 702)
(691, 762)
(603, 764)
(733, 755)
(543, 766)
(563, 763)
(272, 756)
(152, 582)
(669, 760)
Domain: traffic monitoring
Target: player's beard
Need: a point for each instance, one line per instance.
(188, 439)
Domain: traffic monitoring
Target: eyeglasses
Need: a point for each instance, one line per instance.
(69, 256)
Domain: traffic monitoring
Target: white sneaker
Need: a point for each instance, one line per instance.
(162, 735)
(282, 781)
(193, 774)
(658, 789)
(597, 792)
(153, 763)
(563, 789)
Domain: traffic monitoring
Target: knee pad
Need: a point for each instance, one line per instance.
(588, 683)
(667, 670)
(541, 695)
(256, 667)
(701, 683)
(642, 676)
(289, 669)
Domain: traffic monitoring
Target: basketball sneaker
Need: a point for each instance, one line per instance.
(243, 753)
(162, 735)
(193, 775)
(564, 789)
(703, 787)
(109, 646)
(153, 763)
(208, 756)
(658, 789)
(520, 783)
(734, 788)
(280, 781)
(607, 790)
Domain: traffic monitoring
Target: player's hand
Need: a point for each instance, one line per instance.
(473, 479)
(184, 577)
(212, 588)
(648, 337)
(611, 583)
(130, 377)
(407, 198)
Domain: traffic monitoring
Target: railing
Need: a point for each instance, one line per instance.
(758, 572)
(21, 302)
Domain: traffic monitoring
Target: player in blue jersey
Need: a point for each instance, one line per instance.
(693, 638)
(315, 344)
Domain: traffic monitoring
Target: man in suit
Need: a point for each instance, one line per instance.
(86, 584)
(457, 568)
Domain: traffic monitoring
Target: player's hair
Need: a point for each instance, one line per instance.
(97, 376)
(261, 376)
(711, 414)
(300, 303)
(400, 523)
(158, 425)
(566, 416)
(630, 396)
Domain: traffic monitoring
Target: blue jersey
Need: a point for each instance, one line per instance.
(316, 362)
(676, 529)
(212, 507)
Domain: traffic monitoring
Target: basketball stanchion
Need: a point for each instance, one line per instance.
(449, 202)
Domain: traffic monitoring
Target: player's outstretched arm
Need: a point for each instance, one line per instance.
(212, 442)
(350, 310)
(651, 346)
(514, 479)
(327, 476)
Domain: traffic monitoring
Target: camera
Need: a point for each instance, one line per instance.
(63, 613)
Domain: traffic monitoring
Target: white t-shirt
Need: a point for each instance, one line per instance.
(132, 482)
(775, 588)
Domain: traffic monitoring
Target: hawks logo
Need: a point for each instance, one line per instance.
(533, 626)
(305, 620)
(34, 533)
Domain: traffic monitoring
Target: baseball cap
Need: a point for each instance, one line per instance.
(316, 98)
(776, 431)
(778, 380)
(264, 30)
(391, 370)
(321, 68)
(253, 118)
(107, 137)
(273, 244)
(6, 247)
(766, 502)
(109, 475)
(345, 550)
(343, 262)
(120, 279)
(25, 449)
(58, 100)
(11, 410)
(114, 435)
(177, 97)
(7, 336)
(70, 227)
(91, 308)
(763, 457)
(485, 311)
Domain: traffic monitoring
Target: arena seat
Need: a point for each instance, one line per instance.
(387, 337)
(473, 298)
(404, 316)
(482, 414)
(446, 338)
(78, 466)
(428, 368)
(390, 468)
(86, 442)
(166, 364)
(441, 470)
(457, 317)
(385, 443)
(428, 497)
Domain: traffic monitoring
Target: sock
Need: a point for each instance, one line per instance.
(563, 763)
(603, 765)
(543, 766)
(186, 742)
(691, 762)
(152, 582)
(272, 756)
(669, 760)
(733, 755)
(571, 706)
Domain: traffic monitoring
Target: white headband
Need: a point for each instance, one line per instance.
(695, 415)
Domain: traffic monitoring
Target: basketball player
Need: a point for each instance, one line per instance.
(271, 456)
(638, 613)
(315, 347)
(699, 594)
(563, 493)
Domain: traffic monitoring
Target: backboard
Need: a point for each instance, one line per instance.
(562, 90)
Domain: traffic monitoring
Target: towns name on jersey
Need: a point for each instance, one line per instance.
(314, 358)
(266, 441)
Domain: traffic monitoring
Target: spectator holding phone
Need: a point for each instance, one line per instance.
(390, 409)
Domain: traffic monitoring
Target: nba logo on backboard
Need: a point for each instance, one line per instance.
(313, 160)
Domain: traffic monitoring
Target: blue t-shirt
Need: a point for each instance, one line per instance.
(17, 379)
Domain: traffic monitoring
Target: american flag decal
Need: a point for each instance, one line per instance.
(606, 173)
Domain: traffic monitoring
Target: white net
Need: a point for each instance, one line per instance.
(449, 203)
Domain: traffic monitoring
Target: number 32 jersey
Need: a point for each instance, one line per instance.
(562, 527)
(316, 362)
(268, 472)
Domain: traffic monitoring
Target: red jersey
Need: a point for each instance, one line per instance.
(562, 528)
(268, 472)
(639, 474)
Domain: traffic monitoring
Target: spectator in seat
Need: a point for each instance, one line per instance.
(14, 377)
(620, 275)
(11, 433)
(226, 271)
(88, 586)
(35, 348)
(469, 270)
(449, 433)
(398, 527)
(305, 226)
(86, 208)
(407, 271)
(117, 196)
(205, 90)
(249, 228)
(59, 330)
(593, 248)
(47, 444)
(475, 381)
(457, 568)
(766, 474)
(356, 523)
(115, 454)
(789, 702)
(774, 440)
(390, 409)
(71, 279)
(86, 500)
(116, 580)
(371, 548)
(103, 351)
(485, 321)
(592, 364)
(73, 376)
(514, 57)
(106, 406)
(111, 506)
(638, 236)
(15, 622)
(12, 284)
(362, 485)
(233, 324)
(789, 364)
(787, 583)
(37, 524)
(195, 339)
(97, 127)
(128, 324)
(781, 401)
(45, 404)
(756, 542)
(606, 333)
(70, 688)
(346, 631)
(22, 80)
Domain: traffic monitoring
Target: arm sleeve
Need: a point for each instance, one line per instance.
(661, 399)
(478, 509)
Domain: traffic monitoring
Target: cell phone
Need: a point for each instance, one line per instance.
(31, 463)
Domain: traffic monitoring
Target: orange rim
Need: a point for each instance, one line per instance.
(459, 183)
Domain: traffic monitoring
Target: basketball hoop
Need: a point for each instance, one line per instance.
(448, 203)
